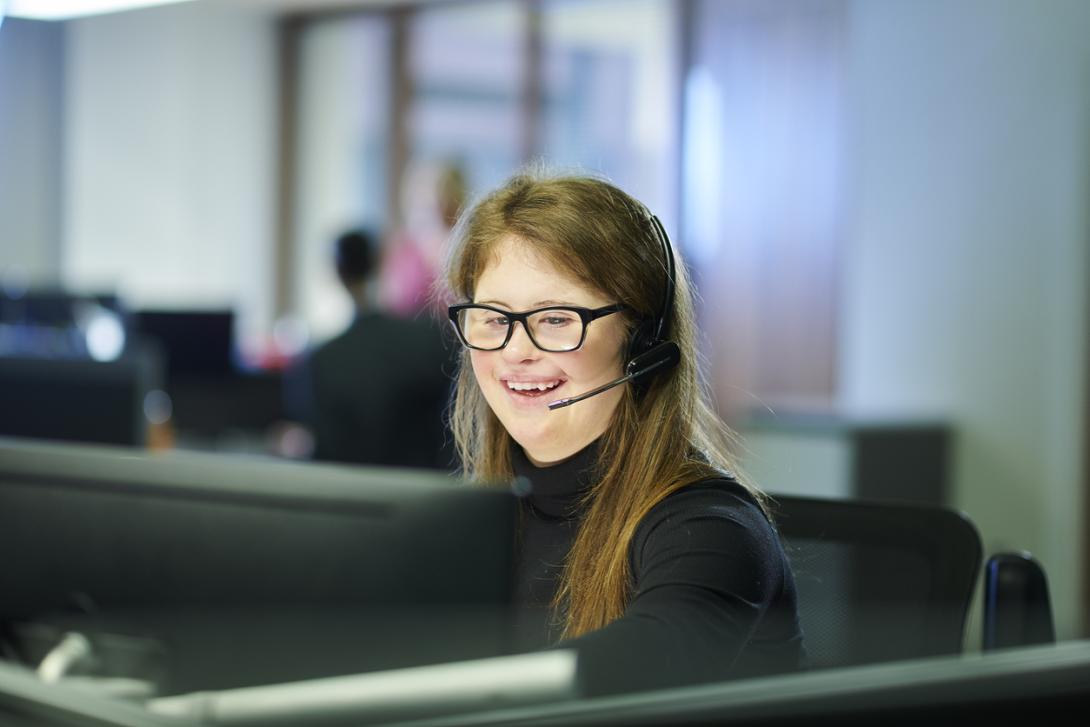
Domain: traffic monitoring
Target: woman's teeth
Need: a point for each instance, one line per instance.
(532, 389)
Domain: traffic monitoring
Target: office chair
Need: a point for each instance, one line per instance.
(1017, 607)
(878, 581)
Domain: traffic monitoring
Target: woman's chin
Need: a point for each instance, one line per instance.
(531, 438)
(548, 435)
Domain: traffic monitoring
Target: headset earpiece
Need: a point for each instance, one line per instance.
(643, 338)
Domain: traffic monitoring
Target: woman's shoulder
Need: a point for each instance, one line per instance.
(712, 504)
(709, 532)
(716, 493)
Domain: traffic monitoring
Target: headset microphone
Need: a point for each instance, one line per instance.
(663, 355)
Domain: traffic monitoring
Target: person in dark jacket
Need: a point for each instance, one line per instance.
(375, 394)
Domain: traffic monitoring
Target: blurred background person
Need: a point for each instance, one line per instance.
(434, 194)
(376, 393)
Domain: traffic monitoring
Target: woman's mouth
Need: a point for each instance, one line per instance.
(532, 389)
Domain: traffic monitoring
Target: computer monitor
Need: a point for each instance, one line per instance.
(195, 343)
(52, 307)
(209, 571)
(77, 399)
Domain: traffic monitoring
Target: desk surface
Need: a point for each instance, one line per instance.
(1019, 681)
(1010, 683)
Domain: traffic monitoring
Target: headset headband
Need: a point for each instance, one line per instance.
(671, 276)
(671, 273)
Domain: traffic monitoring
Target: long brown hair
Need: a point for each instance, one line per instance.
(660, 439)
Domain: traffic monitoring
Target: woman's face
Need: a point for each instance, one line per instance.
(517, 279)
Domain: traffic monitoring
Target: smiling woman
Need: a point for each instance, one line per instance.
(640, 545)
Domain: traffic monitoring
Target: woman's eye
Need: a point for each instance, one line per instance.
(557, 321)
(496, 321)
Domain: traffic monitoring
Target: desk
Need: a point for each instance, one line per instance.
(998, 687)
(1016, 684)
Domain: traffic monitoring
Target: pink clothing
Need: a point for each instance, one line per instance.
(407, 279)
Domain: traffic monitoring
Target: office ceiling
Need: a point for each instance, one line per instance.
(288, 5)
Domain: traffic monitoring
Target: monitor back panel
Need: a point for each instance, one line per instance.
(259, 580)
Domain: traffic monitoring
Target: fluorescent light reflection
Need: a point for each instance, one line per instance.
(105, 336)
(65, 9)
(703, 155)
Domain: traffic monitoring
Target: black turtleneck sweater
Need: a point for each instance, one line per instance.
(711, 593)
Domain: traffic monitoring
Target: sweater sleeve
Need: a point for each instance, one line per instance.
(706, 567)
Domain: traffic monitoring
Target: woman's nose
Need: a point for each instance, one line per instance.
(519, 347)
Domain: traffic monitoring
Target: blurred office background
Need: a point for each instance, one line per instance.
(885, 205)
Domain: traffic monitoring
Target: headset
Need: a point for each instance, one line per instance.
(648, 350)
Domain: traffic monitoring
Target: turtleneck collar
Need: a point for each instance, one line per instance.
(555, 490)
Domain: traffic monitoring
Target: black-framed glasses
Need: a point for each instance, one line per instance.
(555, 329)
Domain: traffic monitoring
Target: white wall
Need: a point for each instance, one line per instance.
(170, 134)
(31, 107)
(966, 286)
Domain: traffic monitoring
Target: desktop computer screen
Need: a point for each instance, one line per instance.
(203, 571)
(76, 399)
(193, 342)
